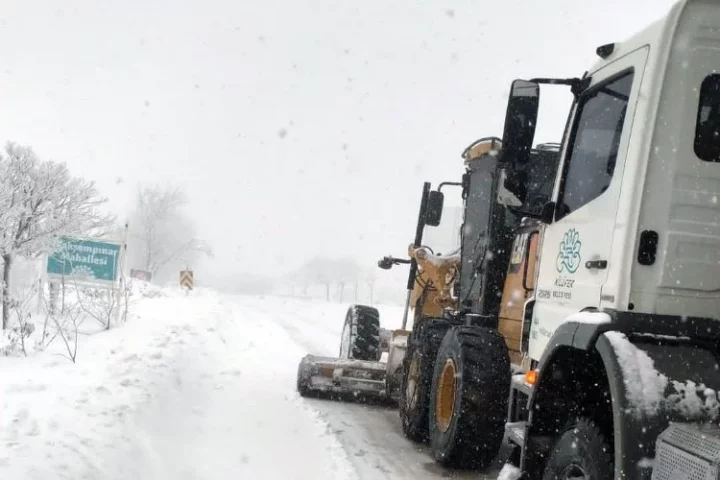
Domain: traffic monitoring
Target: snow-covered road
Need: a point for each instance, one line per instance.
(371, 435)
(198, 387)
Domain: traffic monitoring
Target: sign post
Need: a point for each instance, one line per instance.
(120, 290)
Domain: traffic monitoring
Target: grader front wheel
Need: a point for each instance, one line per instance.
(469, 399)
(360, 338)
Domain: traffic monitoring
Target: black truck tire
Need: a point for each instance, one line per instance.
(580, 452)
(360, 339)
(469, 399)
(418, 367)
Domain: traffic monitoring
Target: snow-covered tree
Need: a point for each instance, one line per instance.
(163, 233)
(40, 201)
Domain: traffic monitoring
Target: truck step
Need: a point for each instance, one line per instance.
(515, 432)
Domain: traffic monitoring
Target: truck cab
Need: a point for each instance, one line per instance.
(625, 311)
(606, 290)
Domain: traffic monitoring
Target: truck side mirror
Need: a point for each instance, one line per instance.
(520, 121)
(433, 212)
(547, 214)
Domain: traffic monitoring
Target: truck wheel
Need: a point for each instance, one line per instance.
(469, 400)
(360, 338)
(418, 366)
(581, 452)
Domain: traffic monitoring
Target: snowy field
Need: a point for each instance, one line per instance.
(198, 387)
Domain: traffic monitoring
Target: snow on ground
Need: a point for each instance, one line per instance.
(200, 387)
(189, 388)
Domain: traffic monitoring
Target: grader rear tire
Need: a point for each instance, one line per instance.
(469, 400)
(418, 366)
(360, 338)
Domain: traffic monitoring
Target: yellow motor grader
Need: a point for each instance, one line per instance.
(443, 290)
(359, 369)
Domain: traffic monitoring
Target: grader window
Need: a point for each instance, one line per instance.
(594, 143)
(707, 129)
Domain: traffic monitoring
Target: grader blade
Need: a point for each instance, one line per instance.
(341, 376)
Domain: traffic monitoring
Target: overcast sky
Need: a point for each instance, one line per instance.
(297, 127)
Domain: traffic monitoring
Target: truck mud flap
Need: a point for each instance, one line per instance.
(655, 380)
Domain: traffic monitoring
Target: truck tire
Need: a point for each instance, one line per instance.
(360, 339)
(580, 452)
(469, 400)
(418, 366)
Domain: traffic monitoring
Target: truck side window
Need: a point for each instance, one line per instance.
(594, 143)
(707, 127)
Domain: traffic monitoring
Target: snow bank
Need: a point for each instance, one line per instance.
(188, 388)
(141, 288)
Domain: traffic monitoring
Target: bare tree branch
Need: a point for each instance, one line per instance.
(163, 230)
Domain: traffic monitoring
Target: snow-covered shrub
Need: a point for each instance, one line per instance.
(20, 328)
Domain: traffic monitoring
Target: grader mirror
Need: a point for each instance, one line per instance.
(433, 212)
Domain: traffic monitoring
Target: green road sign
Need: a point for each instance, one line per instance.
(85, 260)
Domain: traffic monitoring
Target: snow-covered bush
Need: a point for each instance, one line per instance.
(63, 313)
(21, 327)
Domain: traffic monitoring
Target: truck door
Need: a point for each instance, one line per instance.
(576, 246)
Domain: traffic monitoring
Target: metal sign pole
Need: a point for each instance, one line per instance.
(121, 274)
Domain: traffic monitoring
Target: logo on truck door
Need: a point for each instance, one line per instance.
(568, 258)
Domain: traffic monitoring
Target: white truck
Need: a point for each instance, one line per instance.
(621, 337)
